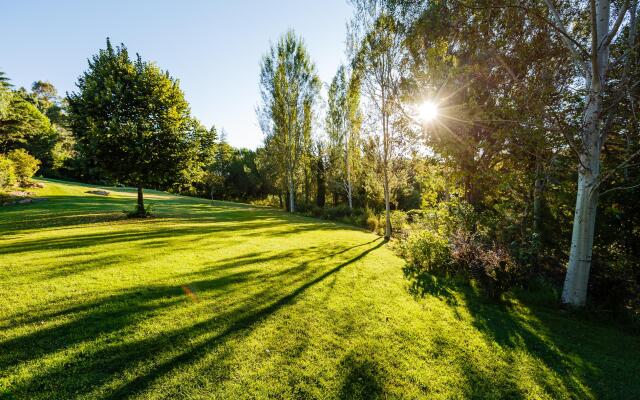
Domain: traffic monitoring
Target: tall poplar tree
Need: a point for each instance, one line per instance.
(380, 60)
(343, 122)
(289, 87)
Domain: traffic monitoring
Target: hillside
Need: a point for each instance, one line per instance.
(226, 300)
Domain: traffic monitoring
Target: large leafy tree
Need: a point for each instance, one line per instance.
(24, 126)
(289, 88)
(131, 119)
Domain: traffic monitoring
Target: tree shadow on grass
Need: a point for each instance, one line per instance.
(101, 317)
(576, 354)
(72, 211)
(245, 319)
(132, 366)
(422, 283)
(363, 378)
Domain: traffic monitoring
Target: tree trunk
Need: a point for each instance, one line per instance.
(348, 167)
(538, 188)
(574, 292)
(385, 167)
(387, 226)
(321, 192)
(307, 186)
(140, 201)
(576, 281)
(292, 195)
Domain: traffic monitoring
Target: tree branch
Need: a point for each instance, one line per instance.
(614, 30)
(571, 43)
(619, 188)
(621, 165)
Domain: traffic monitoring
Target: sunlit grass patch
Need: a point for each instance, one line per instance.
(229, 301)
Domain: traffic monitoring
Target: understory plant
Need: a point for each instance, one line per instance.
(447, 240)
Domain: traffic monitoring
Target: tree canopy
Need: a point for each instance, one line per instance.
(131, 119)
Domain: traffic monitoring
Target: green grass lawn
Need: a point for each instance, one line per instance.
(231, 301)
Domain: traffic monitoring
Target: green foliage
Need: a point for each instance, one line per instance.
(26, 123)
(5, 96)
(372, 222)
(131, 121)
(22, 124)
(289, 87)
(427, 251)
(7, 172)
(25, 165)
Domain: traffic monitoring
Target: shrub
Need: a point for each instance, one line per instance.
(7, 172)
(399, 223)
(490, 266)
(339, 212)
(317, 211)
(427, 251)
(25, 165)
(372, 223)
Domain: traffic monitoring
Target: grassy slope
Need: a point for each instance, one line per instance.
(229, 301)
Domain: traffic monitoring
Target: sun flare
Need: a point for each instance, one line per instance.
(428, 111)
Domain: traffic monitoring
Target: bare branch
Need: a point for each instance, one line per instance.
(566, 38)
(621, 165)
(616, 26)
(619, 188)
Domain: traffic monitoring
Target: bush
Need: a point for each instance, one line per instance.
(399, 223)
(427, 251)
(7, 172)
(371, 221)
(490, 266)
(317, 211)
(339, 212)
(25, 165)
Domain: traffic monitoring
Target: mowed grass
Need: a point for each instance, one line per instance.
(230, 301)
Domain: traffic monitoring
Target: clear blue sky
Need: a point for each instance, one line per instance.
(213, 47)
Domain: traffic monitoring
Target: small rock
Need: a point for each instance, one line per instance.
(19, 193)
(98, 192)
(24, 201)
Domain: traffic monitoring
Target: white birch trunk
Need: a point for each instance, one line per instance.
(385, 167)
(592, 138)
(576, 281)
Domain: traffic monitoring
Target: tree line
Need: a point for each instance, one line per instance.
(536, 134)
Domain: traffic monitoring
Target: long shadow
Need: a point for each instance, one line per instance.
(249, 319)
(579, 361)
(100, 317)
(72, 211)
(103, 363)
